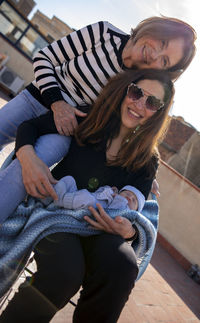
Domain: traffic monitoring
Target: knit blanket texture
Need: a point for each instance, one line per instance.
(31, 222)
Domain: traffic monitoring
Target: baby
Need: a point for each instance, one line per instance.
(69, 197)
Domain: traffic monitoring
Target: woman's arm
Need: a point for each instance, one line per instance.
(119, 225)
(65, 117)
(35, 173)
(37, 177)
(62, 54)
(144, 177)
(29, 131)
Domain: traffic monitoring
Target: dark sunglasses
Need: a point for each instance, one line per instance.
(135, 93)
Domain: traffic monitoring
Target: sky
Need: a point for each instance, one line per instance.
(127, 14)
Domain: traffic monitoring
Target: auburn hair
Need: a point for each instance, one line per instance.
(166, 28)
(104, 121)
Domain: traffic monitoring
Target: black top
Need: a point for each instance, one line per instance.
(86, 164)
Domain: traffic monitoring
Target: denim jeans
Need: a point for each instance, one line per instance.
(50, 148)
(23, 107)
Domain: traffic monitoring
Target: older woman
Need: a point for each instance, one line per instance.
(117, 145)
(72, 71)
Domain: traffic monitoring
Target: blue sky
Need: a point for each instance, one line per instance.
(126, 14)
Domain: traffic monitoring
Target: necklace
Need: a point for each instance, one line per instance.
(132, 132)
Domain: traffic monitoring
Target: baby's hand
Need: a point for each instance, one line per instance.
(155, 188)
(115, 190)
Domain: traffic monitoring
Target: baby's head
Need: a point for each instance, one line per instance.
(134, 197)
(131, 198)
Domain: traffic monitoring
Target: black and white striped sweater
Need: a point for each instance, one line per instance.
(76, 67)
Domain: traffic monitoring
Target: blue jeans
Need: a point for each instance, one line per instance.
(50, 148)
(11, 184)
(23, 107)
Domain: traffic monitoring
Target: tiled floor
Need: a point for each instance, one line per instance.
(184, 287)
(164, 293)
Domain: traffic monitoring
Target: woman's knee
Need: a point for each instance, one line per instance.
(114, 259)
(22, 107)
(58, 287)
(52, 148)
(122, 265)
(60, 265)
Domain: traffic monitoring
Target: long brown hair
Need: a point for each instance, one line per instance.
(166, 28)
(104, 121)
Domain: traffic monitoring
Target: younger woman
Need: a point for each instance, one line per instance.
(116, 145)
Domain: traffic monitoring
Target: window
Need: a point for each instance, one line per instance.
(11, 24)
(19, 31)
(31, 42)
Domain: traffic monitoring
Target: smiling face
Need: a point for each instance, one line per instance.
(153, 53)
(134, 112)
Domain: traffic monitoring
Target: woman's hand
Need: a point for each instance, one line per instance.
(65, 117)
(155, 188)
(119, 225)
(37, 177)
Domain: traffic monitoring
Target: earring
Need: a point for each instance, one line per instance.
(132, 132)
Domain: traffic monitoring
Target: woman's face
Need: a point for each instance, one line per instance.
(135, 112)
(153, 53)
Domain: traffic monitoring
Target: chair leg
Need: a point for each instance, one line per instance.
(5, 298)
(71, 302)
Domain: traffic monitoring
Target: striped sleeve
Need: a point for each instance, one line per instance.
(61, 52)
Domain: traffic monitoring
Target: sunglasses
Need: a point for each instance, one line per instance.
(135, 93)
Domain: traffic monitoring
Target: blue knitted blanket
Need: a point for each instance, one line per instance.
(31, 222)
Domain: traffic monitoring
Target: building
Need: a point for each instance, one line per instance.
(19, 41)
(53, 28)
(24, 6)
(187, 160)
(181, 149)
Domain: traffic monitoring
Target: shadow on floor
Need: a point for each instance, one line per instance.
(177, 278)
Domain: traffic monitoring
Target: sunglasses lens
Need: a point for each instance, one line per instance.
(153, 103)
(134, 92)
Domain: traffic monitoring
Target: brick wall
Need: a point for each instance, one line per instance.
(178, 134)
(181, 149)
